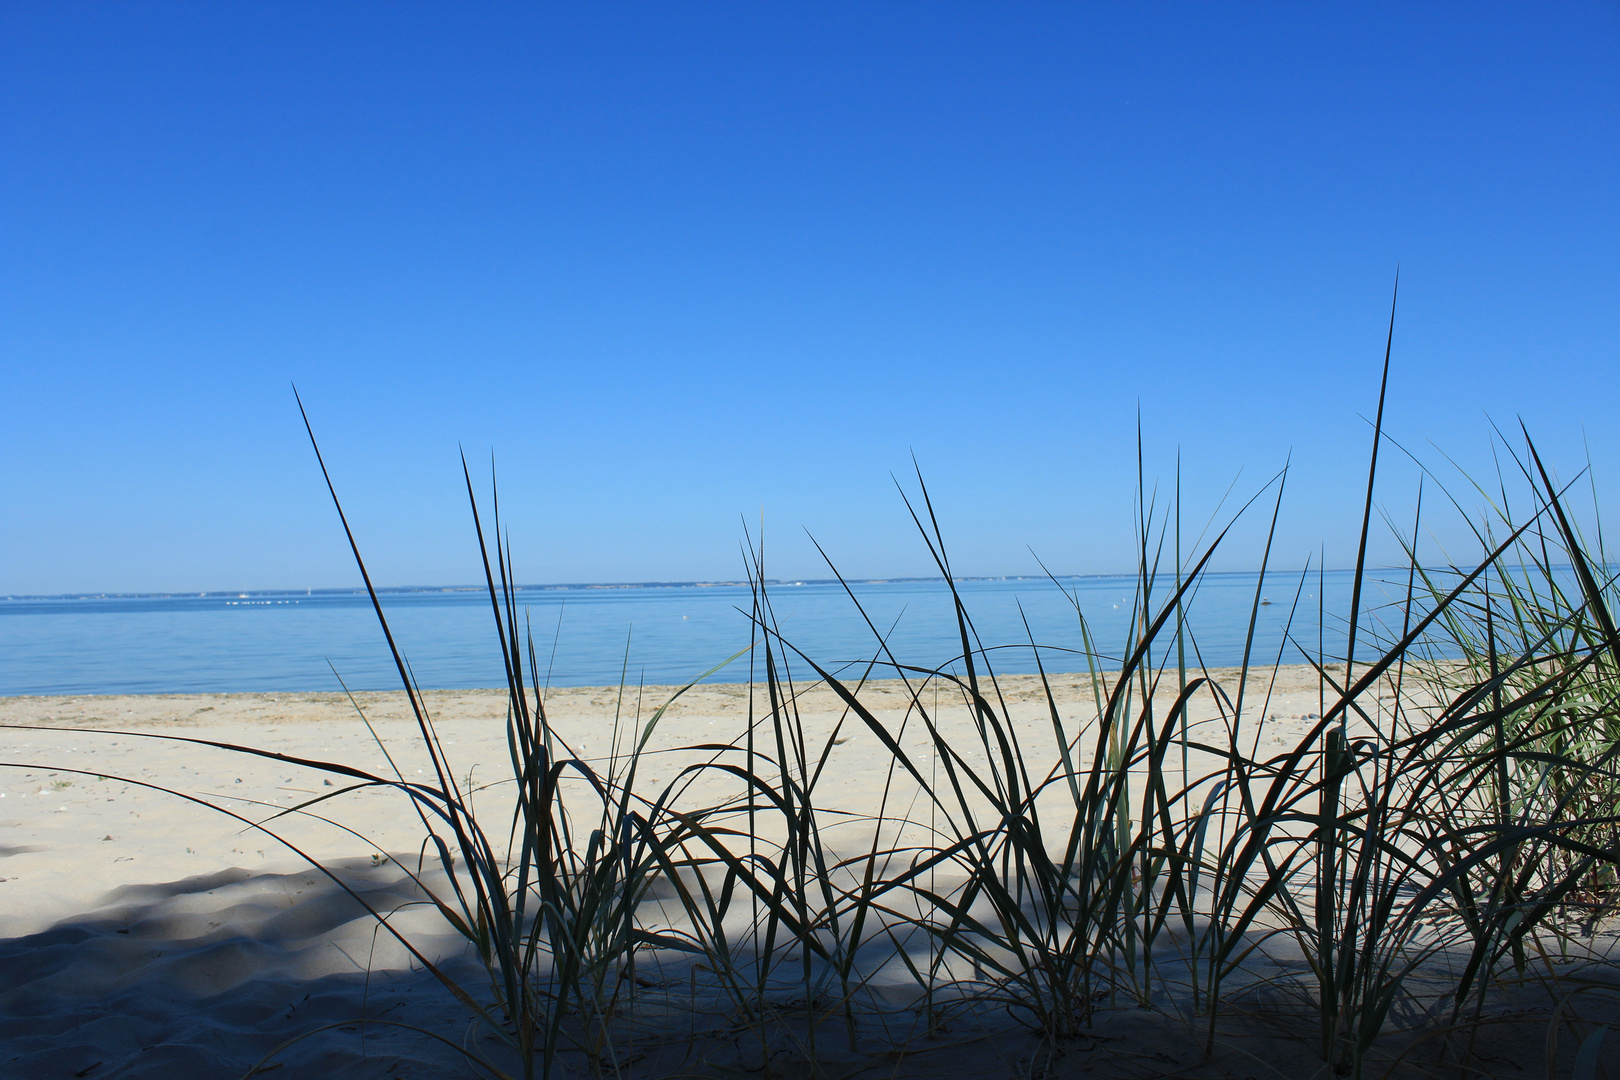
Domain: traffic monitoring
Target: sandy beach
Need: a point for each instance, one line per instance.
(143, 933)
(56, 819)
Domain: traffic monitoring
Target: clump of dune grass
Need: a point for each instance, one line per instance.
(1401, 828)
(1452, 801)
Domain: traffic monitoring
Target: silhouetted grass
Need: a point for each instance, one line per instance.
(1455, 798)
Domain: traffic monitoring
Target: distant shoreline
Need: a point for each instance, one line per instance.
(1292, 676)
(394, 590)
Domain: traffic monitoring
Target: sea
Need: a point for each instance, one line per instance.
(653, 634)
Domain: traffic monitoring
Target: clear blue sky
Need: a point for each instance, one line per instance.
(679, 264)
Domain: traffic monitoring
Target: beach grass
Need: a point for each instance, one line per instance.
(1390, 834)
(1443, 827)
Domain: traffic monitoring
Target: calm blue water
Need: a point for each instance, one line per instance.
(281, 641)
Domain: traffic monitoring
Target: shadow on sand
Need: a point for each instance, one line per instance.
(211, 975)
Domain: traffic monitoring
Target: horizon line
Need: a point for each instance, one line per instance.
(598, 585)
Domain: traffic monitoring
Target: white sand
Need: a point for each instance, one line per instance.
(142, 934)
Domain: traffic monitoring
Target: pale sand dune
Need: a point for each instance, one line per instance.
(155, 936)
